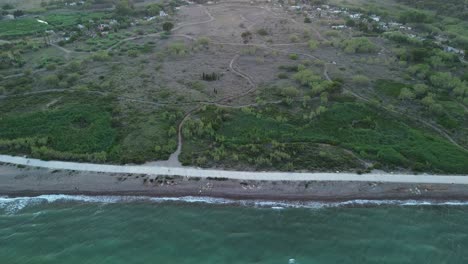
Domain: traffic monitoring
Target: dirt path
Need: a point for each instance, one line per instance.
(239, 175)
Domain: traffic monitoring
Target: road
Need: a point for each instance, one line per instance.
(237, 175)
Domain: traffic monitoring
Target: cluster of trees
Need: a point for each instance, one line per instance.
(19, 84)
(22, 145)
(414, 16)
(154, 9)
(124, 7)
(446, 82)
(358, 45)
(454, 8)
(46, 153)
(205, 128)
(402, 38)
(61, 80)
(307, 77)
(16, 13)
(163, 151)
(413, 92)
(9, 59)
(210, 76)
(365, 24)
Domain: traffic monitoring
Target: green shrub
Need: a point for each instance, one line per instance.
(361, 80)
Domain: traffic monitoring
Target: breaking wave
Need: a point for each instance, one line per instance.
(12, 205)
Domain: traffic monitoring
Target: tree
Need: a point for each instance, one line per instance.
(246, 36)
(124, 7)
(18, 13)
(324, 97)
(444, 80)
(320, 110)
(461, 90)
(290, 91)
(428, 100)
(406, 94)
(420, 89)
(153, 10)
(7, 6)
(167, 26)
(171, 132)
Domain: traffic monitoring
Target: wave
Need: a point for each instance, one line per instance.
(15, 204)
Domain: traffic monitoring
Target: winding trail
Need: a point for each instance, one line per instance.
(237, 175)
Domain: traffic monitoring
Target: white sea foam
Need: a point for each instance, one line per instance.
(14, 204)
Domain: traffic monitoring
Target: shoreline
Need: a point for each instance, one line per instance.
(29, 182)
(237, 175)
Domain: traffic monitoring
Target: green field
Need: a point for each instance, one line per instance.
(83, 126)
(29, 25)
(367, 131)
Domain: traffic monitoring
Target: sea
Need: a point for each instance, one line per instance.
(66, 229)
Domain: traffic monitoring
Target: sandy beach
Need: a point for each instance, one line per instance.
(30, 181)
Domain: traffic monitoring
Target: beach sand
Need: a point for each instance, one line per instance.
(28, 181)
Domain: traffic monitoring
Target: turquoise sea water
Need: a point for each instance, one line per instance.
(78, 229)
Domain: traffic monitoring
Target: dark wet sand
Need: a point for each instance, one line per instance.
(16, 181)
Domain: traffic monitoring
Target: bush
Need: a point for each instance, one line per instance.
(203, 41)
(100, 56)
(361, 80)
(289, 91)
(406, 94)
(312, 45)
(167, 26)
(307, 77)
(294, 38)
(51, 80)
(177, 48)
(420, 89)
(444, 81)
(293, 56)
(262, 32)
